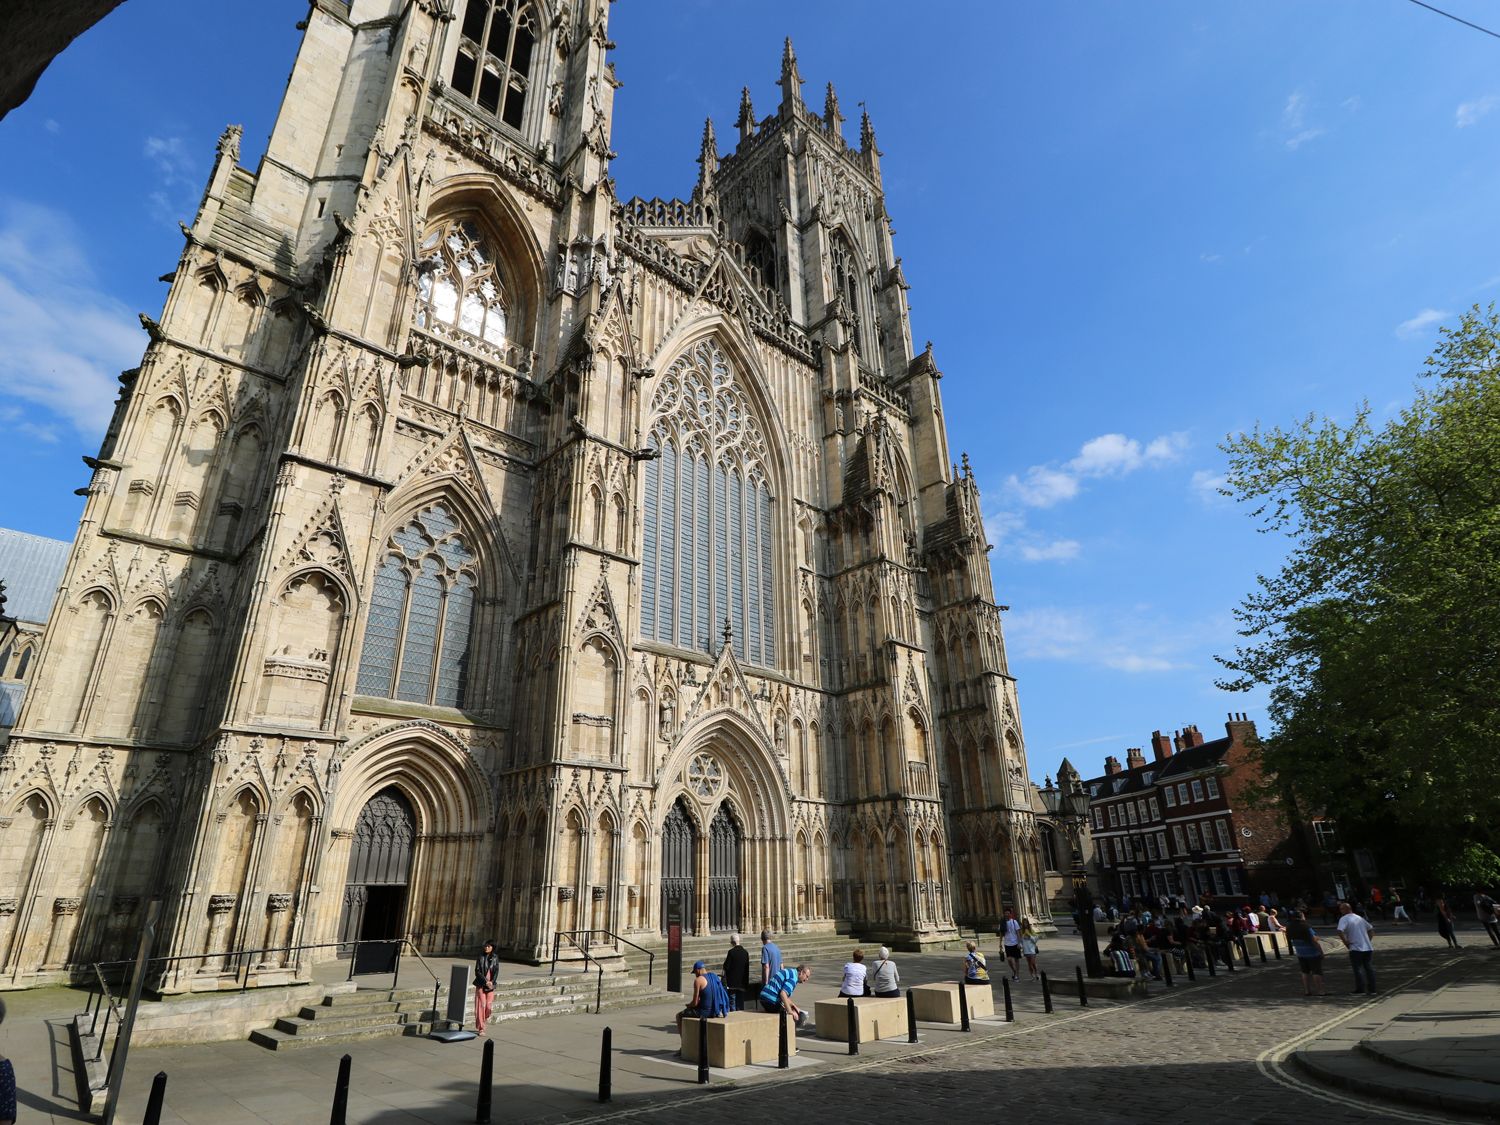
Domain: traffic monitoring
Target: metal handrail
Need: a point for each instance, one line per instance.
(584, 949)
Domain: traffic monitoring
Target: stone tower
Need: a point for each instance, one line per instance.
(474, 553)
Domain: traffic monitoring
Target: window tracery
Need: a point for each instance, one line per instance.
(495, 55)
(417, 637)
(707, 536)
(459, 283)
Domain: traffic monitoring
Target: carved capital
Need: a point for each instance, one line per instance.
(65, 905)
(221, 904)
(275, 904)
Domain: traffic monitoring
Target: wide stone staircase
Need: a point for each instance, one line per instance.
(373, 1013)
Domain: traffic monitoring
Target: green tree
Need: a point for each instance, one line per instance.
(1379, 638)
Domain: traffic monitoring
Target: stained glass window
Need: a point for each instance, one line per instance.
(707, 546)
(459, 286)
(417, 636)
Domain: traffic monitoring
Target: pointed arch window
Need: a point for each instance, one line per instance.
(846, 284)
(707, 533)
(495, 56)
(459, 283)
(418, 637)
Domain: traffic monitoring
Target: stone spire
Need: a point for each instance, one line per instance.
(790, 81)
(867, 145)
(832, 118)
(746, 119)
(708, 162)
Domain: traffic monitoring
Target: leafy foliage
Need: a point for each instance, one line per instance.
(1379, 638)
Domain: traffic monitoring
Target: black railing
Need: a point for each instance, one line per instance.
(573, 937)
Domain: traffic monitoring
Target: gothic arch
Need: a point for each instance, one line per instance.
(752, 772)
(477, 516)
(448, 791)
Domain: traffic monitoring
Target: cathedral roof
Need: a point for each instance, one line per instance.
(31, 566)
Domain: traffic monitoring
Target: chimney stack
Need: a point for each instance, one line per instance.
(1134, 759)
(1111, 765)
(1161, 746)
(1192, 736)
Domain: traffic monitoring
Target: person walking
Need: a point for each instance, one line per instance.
(1309, 953)
(885, 981)
(853, 983)
(737, 972)
(1446, 923)
(1359, 937)
(486, 976)
(1484, 909)
(1010, 942)
(1029, 947)
(1398, 910)
(770, 958)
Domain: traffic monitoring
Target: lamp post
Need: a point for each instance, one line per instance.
(1069, 804)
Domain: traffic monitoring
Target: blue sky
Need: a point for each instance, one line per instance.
(1130, 229)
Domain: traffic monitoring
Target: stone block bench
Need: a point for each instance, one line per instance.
(879, 1018)
(939, 1003)
(739, 1039)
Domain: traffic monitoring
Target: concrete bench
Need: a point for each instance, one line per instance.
(939, 1003)
(739, 1039)
(879, 1018)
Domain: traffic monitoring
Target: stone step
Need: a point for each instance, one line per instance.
(301, 1025)
(1339, 1062)
(278, 1040)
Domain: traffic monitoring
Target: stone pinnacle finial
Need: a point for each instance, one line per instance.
(729, 628)
(790, 80)
(746, 120)
(708, 160)
(968, 469)
(866, 131)
(831, 115)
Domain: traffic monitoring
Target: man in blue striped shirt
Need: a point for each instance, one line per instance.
(777, 994)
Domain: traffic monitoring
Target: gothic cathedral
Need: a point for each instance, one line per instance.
(474, 553)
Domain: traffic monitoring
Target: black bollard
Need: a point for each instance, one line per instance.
(341, 1094)
(1083, 993)
(782, 1049)
(853, 1028)
(606, 1057)
(158, 1096)
(1261, 942)
(703, 1052)
(1188, 962)
(1046, 995)
(487, 1083)
(1010, 1011)
(963, 1006)
(1229, 955)
(1276, 945)
(911, 1016)
(1211, 955)
(1166, 968)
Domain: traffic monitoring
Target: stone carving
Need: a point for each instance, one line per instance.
(65, 905)
(221, 904)
(277, 903)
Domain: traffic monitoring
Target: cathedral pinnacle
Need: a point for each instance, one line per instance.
(790, 81)
(708, 161)
(866, 132)
(831, 115)
(746, 120)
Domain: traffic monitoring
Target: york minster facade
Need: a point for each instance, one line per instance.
(475, 554)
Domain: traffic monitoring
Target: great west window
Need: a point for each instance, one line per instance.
(707, 544)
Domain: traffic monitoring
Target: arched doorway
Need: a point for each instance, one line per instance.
(723, 872)
(679, 875)
(375, 889)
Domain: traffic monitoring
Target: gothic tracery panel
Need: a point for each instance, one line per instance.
(707, 537)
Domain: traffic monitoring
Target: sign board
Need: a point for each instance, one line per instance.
(674, 944)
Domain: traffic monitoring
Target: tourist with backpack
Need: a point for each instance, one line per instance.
(710, 998)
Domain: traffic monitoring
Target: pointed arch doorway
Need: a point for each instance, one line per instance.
(724, 849)
(679, 868)
(375, 890)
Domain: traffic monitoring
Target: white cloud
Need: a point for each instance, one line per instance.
(1421, 323)
(1352, 103)
(1294, 122)
(1042, 487)
(1210, 257)
(51, 125)
(1058, 550)
(62, 341)
(1206, 485)
(1074, 636)
(177, 176)
(1469, 113)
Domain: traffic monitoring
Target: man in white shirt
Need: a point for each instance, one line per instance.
(1359, 936)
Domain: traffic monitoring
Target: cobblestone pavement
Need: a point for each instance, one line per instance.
(1205, 1050)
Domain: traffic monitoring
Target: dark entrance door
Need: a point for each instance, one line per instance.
(375, 889)
(679, 875)
(723, 872)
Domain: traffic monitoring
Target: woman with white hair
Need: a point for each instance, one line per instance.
(885, 981)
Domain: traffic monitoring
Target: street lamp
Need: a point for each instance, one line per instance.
(1069, 804)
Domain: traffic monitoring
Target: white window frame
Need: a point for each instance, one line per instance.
(1197, 790)
(1170, 793)
(1213, 787)
(1182, 793)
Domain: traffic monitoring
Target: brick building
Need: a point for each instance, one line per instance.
(1183, 822)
